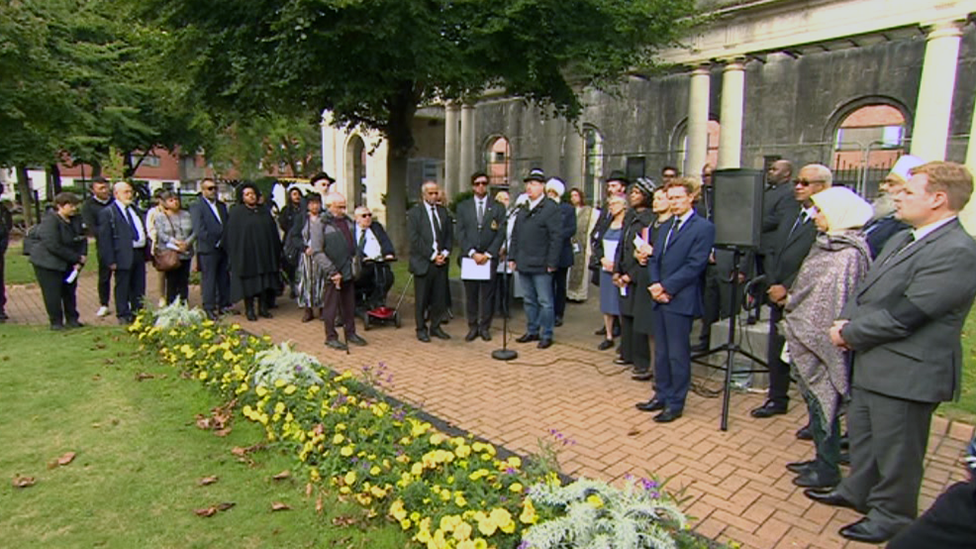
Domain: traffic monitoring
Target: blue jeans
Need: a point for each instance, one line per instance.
(537, 299)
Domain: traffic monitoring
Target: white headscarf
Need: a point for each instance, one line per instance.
(843, 208)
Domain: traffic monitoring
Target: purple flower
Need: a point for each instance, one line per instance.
(523, 545)
(510, 471)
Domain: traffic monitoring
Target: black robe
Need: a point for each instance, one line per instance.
(253, 250)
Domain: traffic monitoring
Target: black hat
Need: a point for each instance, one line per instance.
(319, 176)
(535, 174)
(617, 175)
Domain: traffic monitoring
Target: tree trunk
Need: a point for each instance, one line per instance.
(24, 188)
(396, 200)
(55, 172)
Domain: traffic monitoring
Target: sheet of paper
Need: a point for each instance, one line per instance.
(610, 249)
(470, 270)
(72, 277)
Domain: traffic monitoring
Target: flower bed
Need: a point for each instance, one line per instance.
(446, 491)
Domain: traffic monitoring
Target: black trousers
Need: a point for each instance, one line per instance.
(627, 336)
(215, 275)
(373, 285)
(559, 279)
(948, 524)
(342, 301)
(779, 371)
(59, 296)
(178, 282)
(430, 295)
(130, 286)
(480, 302)
(3, 289)
(104, 284)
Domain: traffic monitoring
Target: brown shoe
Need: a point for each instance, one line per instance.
(308, 316)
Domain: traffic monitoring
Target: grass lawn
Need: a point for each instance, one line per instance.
(17, 268)
(965, 408)
(134, 481)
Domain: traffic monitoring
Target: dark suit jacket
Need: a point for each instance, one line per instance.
(792, 248)
(209, 231)
(679, 268)
(778, 204)
(906, 318)
(536, 238)
(485, 239)
(421, 237)
(62, 242)
(386, 245)
(879, 231)
(115, 237)
(568, 213)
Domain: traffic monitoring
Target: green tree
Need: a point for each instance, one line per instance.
(251, 146)
(373, 62)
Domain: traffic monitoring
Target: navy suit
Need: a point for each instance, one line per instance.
(678, 267)
(211, 255)
(115, 247)
(561, 275)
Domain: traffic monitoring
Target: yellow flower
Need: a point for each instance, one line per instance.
(346, 451)
(375, 470)
(449, 522)
(203, 375)
(261, 391)
(289, 390)
(405, 524)
(279, 407)
(350, 477)
(515, 462)
(337, 439)
(480, 543)
(463, 451)
(436, 439)
(279, 383)
(480, 473)
(377, 492)
(487, 527)
(594, 500)
(417, 469)
(459, 500)
(462, 532)
(528, 515)
(517, 488)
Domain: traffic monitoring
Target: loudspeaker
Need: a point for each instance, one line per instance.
(738, 207)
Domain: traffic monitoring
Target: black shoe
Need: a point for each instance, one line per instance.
(264, 313)
(558, 322)
(336, 344)
(845, 458)
(605, 344)
(437, 332)
(768, 409)
(485, 334)
(699, 347)
(544, 343)
(667, 416)
(601, 332)
(845, 442)
(867, 531)
(800, 467)
(356, 339)
(126, 320)
(831, 497)
(57, 327)
(812, 478)
(526, 338)
(74, 324)
(212, 316)
(652, 405)
(804, 433)
(422, 336)
(308, 315)
(643, 376)
(3, 316)
(251, 316)
(621, 361)
(472, 334)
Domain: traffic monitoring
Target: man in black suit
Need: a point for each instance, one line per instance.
(885, 223)
(480, 233)
(535, 254)
(6, 224)
(430, 245)
(778, 203)
(904, 327)
(555, 188)
(209, 215)
(123, 244)
(101, 198)
(793, 240)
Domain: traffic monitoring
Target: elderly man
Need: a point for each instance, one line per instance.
(376, 251)
(480, 233)
(341, 265)
(123, 247)
(884, 224)
(795, 236)
(555, 188)
(209, 215)
(534, 254)
(904, 327)
(430, 244)
(101, 198)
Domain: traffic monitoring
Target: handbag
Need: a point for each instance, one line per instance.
(166, 259)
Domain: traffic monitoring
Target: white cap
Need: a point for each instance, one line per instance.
(905, 165)
(555, 184)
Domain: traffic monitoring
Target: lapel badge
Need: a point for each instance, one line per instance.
(494, 225)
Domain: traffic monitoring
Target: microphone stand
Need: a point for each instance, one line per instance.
(505, 353)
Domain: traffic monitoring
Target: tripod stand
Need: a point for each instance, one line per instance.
(730, 347)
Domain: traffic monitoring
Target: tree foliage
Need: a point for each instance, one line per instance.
(251, 146)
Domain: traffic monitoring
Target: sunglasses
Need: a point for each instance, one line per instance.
(366, 215)
(479, 183)
(805, 182)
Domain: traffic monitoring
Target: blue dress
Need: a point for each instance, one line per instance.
(609, 294)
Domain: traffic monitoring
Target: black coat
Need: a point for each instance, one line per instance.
(625, 262)
(6, 225)
(421, 236)
(339, 250)
(62, 243)
(386, 245)
(486, 238)
(566, 238)
(792, 248)
(536, 237)
(778, 203)
(209, 231)
(252, 242)
(879, 231)
(90, 211)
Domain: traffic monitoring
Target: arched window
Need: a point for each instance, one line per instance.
(498, 159)
(592, 164)
(867, 142)
(711, 156)
(356, 169)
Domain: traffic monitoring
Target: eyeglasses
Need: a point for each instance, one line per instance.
(479, 183)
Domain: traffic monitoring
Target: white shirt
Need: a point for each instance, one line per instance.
(213, 208)
(683, 218)
(534, 203)
(139, 242)
(371, 248)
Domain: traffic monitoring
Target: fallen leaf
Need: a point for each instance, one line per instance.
(144, 375)
(67, 458)
(318, 505)
(206, 481)
(99, 345)
(203, 422)
(109, 361)
(278, 506)
(308, 489)
(319, 429)
(96, 377)
(223, 432)
(206, 512)
(23, 482)
(238, 451)
(344, 521)
(225, 506)
(633, 432)
(282, 475)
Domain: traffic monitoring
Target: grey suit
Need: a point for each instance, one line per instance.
(905, 322)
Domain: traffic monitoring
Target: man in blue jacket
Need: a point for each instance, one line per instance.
(677, 264)
(209, 215)
(123, 245)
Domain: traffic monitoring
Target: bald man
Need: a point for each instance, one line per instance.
(123, 245)
(430, 244)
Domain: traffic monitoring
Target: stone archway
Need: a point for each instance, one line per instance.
(498, 162)
(867, 136)
(592, 164)
(355, 170)
(679, 147)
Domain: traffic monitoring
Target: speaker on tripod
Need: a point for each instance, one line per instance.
(737, 216)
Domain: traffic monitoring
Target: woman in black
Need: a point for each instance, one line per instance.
(58, 257)
(253, 249)
(643, 326)
(633, 350)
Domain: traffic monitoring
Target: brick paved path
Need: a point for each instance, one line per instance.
(735, 482)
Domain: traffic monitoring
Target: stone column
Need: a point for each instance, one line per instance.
(733, 103)
(698, 104)
(931, 132)
(971, 149)
(574, 157)
(328, 145)
(467, 163)
(552, 146)
(451, 149)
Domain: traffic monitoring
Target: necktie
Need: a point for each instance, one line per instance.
(667, 239)
(481, 211)
(362, 241)
(800, 220)
(132, 224)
